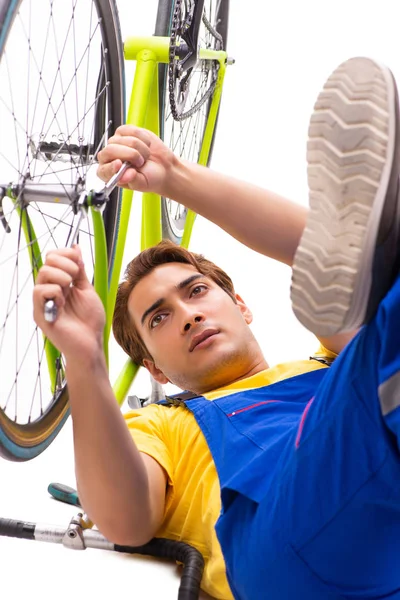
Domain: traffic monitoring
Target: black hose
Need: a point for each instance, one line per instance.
(192, 560)
(18, 529)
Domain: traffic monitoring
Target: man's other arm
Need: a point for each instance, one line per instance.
(122, 490)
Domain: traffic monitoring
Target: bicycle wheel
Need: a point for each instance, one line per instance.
(186, 93)
(61, 81)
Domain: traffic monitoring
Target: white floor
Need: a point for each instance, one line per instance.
(37, 570)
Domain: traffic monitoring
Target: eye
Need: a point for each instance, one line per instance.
(200, 287)
(156, 320)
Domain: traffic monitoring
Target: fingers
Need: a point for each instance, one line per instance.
(129, 144)
(138, 132)
(63, 273)
(107, 170)
(42, 293)
(125, 148)
(62, 269)
(64, 265)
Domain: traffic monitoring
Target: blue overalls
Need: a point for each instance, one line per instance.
(309, 470)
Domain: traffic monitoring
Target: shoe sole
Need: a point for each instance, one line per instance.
(350, 154)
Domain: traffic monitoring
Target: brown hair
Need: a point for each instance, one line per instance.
(125, 331)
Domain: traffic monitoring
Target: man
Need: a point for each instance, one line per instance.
(291, 471)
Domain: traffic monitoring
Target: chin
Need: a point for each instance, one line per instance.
(221, 370)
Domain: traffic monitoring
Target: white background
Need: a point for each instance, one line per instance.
(284, 51)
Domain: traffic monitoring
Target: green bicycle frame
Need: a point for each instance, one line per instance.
(144, 112)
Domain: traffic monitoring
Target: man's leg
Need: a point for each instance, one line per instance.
(345, 470)
(348, 255)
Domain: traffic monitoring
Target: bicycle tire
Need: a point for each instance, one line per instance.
(172, 227)
(48, 31)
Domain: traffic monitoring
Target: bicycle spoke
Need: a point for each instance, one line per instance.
(37, 239)
(35, 63)
(11, 110)
(41, 69)
(73, 131)
(72, 80)
(27, 95)
(13, 113)
(55, 79)
(38, 386)
(75, 80)
(18, 369)
(87, 78)
(17, 321)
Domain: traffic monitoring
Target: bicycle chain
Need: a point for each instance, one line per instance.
(176, 30)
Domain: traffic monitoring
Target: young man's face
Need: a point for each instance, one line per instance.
(198, 337)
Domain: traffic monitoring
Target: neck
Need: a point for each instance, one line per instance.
(258, 365)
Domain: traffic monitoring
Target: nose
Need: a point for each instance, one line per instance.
(192, 320)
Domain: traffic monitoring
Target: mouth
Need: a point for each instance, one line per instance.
(202, 337)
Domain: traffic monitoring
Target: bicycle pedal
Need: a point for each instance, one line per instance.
(64, 493)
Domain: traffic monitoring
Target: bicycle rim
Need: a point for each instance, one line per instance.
(59, 104)
(185, 136)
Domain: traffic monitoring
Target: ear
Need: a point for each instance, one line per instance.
(244, 309)
(155, 372)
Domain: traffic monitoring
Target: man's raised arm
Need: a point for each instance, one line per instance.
(260, 219)
(122, 490)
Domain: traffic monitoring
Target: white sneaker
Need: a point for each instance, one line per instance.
(348, 255)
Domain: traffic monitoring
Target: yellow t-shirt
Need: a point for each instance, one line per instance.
(172, 437)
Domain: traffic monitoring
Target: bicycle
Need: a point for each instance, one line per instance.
(48, 194)
(48, 163)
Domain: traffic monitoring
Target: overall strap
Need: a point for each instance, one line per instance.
(178, 399)
(325, 360)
